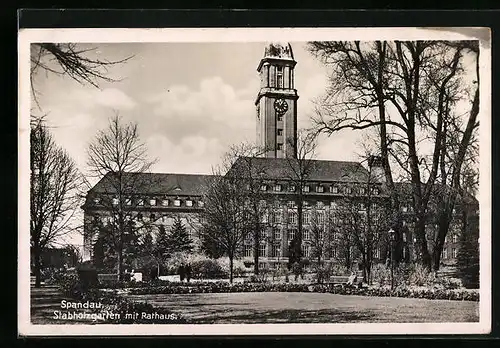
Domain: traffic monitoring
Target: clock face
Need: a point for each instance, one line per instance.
(281, 106)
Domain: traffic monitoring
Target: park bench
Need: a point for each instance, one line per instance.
(341, 280)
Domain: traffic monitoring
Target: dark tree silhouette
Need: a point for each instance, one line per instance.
(179, 239)
(54, 195)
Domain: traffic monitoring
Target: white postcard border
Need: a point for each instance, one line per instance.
(27, 36)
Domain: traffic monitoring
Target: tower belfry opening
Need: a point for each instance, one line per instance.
(276, 102)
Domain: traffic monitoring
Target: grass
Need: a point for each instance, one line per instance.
(275, 307)
(278, 307)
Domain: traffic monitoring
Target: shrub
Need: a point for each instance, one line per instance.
(420, 276)
(381, 274)
(208, 269)
(87, 275)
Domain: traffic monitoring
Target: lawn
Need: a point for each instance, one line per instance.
(276, 307)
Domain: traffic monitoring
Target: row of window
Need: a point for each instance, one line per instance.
(140, 202)
(273, 251)
(321, 189)
(445, 255)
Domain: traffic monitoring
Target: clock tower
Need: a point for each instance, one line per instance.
(276, 102)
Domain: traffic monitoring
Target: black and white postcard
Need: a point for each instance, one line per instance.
(254, 181)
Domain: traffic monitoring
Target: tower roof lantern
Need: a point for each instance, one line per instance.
(281, 50)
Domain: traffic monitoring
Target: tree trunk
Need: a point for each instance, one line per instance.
(443, 227)
(120, 264)
(256, 241)
(231, 269)
(38, 266)
(423, 255)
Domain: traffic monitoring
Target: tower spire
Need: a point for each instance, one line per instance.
(276, 102)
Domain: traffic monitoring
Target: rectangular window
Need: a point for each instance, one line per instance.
(277, 234)
(307, 234)
(277, 217)
(320, 204)
(263, 187)
(177, 202)
(152, 202)
(348, 190)
(321, 218)
(291, 234)
(247, 251)
(280, 132)
(333, 205)
(362, 206)
(333, 253)
(293, 218)
(320, 189)
(375, 191)
(277, 188)
(280, 117)
(201, 204)
(189, 203)
(279, 77)
(164, 202)
(152, 217)
(262, 250)
(454, 252)
(291, 188)
(305, 189)
(455, 238)
(334, 189)
(362, 191)
(305, 250)
(305, 218)
(279, 146)
(275, 251)
(115, 201)
(128, 201)
(140, 202)
(404, 237)
(290, 204)
(444, 254)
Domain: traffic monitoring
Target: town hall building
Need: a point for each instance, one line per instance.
(168, 196)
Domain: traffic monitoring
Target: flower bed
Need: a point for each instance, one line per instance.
(217, 287)
(409, 292)
(111, 302)
(223, 287)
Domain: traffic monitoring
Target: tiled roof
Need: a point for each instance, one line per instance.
(158, 183)
(320, 170)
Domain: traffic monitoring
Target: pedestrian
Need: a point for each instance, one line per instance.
(182, 271)
(188, 272)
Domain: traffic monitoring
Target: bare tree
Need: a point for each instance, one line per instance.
(67, 59)
(413, 79)
(299, 171)
(246, 166)
(54, 198)
(226, 219)
(320, 240)
(119, 158)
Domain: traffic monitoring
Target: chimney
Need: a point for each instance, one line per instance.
(376, 169)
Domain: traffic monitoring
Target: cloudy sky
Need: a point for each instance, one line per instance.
(191, 101)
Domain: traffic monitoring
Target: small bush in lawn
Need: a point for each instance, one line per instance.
(381, 274)
(420, 276)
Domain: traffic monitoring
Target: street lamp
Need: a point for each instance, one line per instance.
(392, 237)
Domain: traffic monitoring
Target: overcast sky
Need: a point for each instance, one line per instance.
(191, 101)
